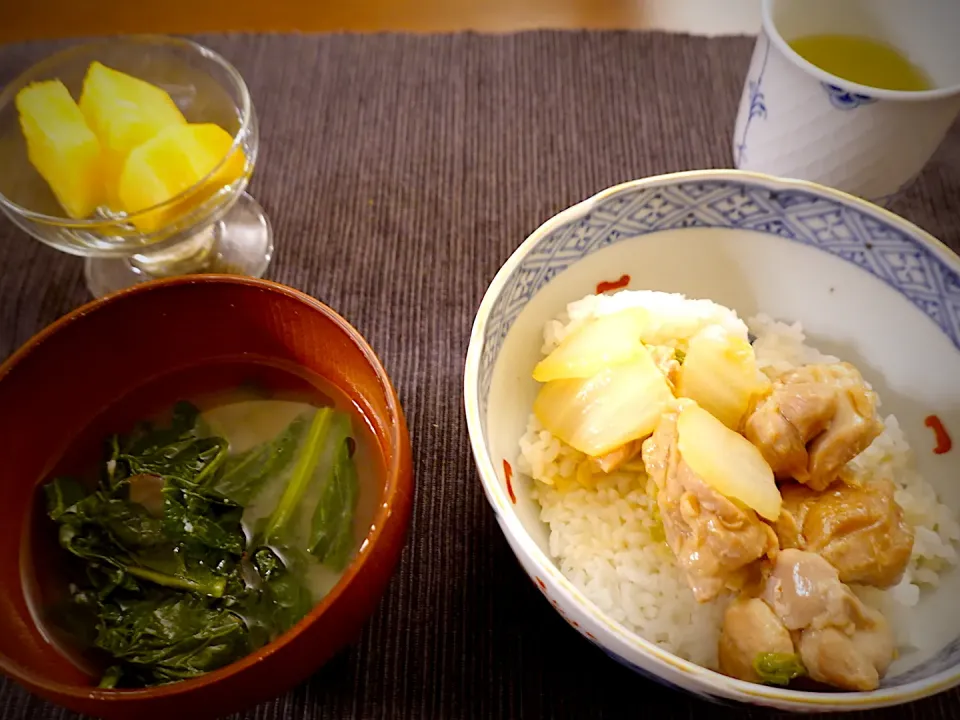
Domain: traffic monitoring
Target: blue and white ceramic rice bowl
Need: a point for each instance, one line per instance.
(867, 286)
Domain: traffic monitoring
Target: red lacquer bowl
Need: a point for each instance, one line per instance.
(108, 362)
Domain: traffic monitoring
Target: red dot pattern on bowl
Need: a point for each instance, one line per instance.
(508, 476)
(611, 285)
(556, 606)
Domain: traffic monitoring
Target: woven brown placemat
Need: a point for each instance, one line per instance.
(399, 173)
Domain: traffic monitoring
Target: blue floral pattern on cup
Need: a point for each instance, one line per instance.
(758, 105)
(844, 99)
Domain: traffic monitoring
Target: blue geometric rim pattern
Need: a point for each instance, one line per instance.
(798, 215)
(877, 247)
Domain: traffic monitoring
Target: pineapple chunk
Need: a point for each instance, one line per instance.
(62, 148)
(720, 372)
(174, 160)
(123, 112)
(727, 461)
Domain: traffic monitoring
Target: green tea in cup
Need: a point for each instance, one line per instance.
(862, 60)
(853, 94)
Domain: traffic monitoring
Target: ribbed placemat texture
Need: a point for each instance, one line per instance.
(399, 172)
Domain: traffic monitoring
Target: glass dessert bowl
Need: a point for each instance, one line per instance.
(203, 221)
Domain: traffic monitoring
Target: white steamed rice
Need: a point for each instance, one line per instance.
(605, 538)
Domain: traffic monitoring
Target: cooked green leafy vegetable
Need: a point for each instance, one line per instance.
(282, 600)
(245, 474)
(111, 677)
(162, 637)
(124, 543)
(324, 479)
(177, 584)
(778, 668)
(331, 537)
(287, 509)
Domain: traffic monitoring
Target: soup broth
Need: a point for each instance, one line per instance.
(225, 517)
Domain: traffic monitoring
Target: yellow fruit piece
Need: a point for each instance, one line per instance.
(597, 344)
(720, 372)
(727, 461)
(62, 148)
(173, 161)
(123, 112)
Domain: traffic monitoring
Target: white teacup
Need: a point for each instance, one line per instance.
(798, 121)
